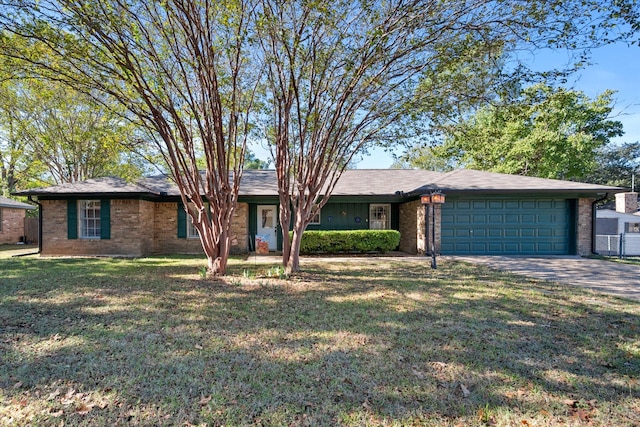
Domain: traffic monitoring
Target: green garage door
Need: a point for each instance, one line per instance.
(507, 227)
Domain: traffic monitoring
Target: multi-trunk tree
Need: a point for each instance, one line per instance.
(183, 71)
(348, 74)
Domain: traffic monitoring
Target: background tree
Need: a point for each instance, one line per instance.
(14, 159)
(345, 75)
(616, 164)
(67, 135)
(547, 132)
(182, 69)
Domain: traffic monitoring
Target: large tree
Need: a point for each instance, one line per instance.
(181, 68)
(617, 164)
(67, 135)
(344, 75)
(546, 132)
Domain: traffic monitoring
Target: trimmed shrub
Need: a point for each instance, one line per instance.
(337, 241)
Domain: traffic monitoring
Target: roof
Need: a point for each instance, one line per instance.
(353, 182)
(609, 213)
(10, 203)
(468, 180)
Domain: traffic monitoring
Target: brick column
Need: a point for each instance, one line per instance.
(585, 226)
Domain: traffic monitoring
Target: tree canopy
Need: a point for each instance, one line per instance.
(546, 132)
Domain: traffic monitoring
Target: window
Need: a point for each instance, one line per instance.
(379, 217)
(316, 219)
(632, 227)
(192, 231)
(89, 219)
(0, 219)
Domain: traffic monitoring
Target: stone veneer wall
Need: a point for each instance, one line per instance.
(12, 225)
(585, 226)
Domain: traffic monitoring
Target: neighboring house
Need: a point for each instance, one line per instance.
(484, 213)
(618, 231)
(12, 214)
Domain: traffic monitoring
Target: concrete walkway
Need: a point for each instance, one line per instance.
(609, 277)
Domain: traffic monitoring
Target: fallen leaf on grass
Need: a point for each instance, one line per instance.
(57, 413)
(83, 408)
(465, 390)
(198, 347)
(18, 384)
(205, 400)
(53, 394)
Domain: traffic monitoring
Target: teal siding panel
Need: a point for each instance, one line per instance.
(507, 227)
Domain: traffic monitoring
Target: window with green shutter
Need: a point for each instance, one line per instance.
(89, 219)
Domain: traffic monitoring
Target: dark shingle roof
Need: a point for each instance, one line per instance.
(14, 204)
(467, 180)
(354, 182)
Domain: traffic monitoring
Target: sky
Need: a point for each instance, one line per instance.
(615, 67)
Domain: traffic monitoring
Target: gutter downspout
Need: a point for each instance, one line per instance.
(593, 222)
(39, 222)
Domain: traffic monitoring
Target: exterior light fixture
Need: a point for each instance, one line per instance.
(432, 199)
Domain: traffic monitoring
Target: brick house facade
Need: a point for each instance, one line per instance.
(12, 216)
(545, 216)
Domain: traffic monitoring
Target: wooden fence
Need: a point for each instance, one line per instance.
(31, 230)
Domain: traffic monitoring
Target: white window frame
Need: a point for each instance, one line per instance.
(192, 231)
(632, 227)
(89, 226)
(373, 221)
(316, 219)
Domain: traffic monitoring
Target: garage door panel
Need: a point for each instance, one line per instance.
(506, 226)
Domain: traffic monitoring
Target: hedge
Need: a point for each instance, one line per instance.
(336, 241)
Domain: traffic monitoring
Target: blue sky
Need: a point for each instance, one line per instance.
(615, 67)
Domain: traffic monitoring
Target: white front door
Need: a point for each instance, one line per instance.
(267, 221)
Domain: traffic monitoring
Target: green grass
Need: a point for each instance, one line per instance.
(93, 342)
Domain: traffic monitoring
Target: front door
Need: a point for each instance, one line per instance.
(267, 222)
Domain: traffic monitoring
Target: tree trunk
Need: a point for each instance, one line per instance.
(293, 260)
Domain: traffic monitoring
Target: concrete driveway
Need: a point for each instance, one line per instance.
(613, 278)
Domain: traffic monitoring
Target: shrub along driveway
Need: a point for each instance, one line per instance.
(600, 275)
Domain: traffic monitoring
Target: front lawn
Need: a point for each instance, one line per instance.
(102, 342)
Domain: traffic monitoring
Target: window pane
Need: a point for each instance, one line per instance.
(379, 218)
(89, 220)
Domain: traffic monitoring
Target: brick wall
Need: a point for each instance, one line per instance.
(585, 224)
(411, 227)
(12, 225)
(127, 231)
(165, 232)
(240, 229)
(415, 235)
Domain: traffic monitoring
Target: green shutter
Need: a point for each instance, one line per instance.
(105, 219)
(182, 222)
(72, 219)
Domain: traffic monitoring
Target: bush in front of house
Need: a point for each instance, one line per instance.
(340, 241)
